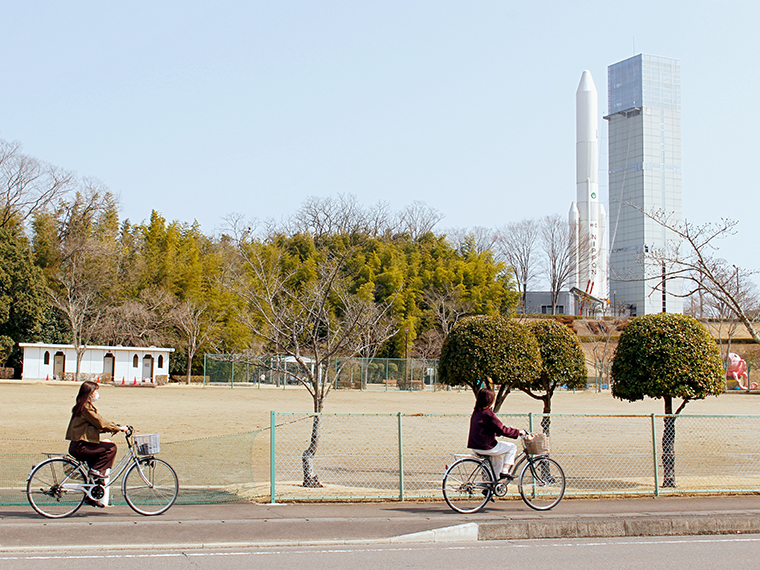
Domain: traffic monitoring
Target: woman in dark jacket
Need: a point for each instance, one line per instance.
(84, 431)
(484, 427)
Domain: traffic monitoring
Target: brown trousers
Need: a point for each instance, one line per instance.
(98, 456)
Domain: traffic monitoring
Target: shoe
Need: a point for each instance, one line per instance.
(96, 477)
(506, 477)
(94, 503)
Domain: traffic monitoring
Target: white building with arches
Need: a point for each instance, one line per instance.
(120, 364)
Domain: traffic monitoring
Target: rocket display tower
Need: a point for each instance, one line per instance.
(588, 219)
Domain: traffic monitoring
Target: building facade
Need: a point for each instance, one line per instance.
(120, 364)
(540, 303)
(644, 116)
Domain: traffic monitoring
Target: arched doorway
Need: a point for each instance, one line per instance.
(108, 366)
(147, 372)
(59, 365)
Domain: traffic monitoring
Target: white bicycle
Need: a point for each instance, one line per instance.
(58, 486)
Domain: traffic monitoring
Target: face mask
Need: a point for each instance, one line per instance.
(95, 396)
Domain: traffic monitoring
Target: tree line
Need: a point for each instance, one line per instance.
(71, 271)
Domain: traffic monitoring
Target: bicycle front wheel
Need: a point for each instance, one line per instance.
(467, 485)
(55, 487)
(152, 488)
(542, 484)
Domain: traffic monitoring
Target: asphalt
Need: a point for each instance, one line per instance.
(244, 524)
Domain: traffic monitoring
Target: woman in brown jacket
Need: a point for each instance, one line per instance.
(84, 431)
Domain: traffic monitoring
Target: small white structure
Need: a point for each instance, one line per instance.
(120, 364)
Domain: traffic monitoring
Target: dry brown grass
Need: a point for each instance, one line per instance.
(40, 411)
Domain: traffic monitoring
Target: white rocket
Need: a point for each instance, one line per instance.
(588, 219)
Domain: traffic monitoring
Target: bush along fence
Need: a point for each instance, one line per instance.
(348, 373)
(399, 456)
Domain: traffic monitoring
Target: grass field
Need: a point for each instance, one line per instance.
(41, 411)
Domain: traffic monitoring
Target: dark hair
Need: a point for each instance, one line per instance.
(85, 391)
(484, 399)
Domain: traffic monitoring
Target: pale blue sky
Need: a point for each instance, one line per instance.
(201, 109)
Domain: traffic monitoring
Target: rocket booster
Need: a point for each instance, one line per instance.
(587, 215)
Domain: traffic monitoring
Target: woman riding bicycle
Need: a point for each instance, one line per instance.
(484, 427)
(84, 431)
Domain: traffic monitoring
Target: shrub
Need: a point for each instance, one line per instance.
(667, 356)
(493, 350)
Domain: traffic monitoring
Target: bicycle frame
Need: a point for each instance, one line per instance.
(130, 458)
(515, 471)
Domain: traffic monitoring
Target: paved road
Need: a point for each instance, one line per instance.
(696, 553)
(242, 524)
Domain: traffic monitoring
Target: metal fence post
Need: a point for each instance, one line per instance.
(271, 457)
(530, 422)
(654, 457)
(204, 369)
(400, 459)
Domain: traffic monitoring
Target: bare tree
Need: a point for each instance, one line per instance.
(327, 216)
(478, 238)
(516, 244)
(84, 263)
(27, 185)
(560, 254)
(418, 218)
(447, 305)
(322, 216)
(601, 335)
(139, 322)
(312, 322)
(196, 323)
(723, 321)
(690, 256)
(428, 344)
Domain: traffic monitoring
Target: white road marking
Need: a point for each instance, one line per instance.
(578, 543)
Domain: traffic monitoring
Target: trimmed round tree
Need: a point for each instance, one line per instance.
(667, 356)
(563, 364)
(489, 349)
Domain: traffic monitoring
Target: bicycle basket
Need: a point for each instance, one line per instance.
(537, 444)
(147, 444)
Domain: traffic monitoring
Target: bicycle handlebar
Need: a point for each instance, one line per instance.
(129, 431)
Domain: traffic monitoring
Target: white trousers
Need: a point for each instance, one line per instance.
(501, 455)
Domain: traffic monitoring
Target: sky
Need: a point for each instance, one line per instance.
(204, 109)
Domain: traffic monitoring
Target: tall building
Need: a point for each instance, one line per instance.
(644, 115)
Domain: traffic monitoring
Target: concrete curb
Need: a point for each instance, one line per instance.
(467, 532)
(621, 527)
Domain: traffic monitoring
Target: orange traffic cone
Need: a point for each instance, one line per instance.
(123, 380)
(47, 377)
(135, 382)
(97, 380)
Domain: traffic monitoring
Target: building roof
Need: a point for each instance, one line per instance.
(99, 347)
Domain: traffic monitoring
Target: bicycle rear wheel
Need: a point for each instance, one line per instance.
(467, 485)
(154, 494)
(54, 487)
(542, 484)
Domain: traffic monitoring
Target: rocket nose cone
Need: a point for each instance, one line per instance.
(587, 82)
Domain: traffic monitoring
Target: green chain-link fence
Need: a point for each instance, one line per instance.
(405, 456)
(347, 373)
(402, 456)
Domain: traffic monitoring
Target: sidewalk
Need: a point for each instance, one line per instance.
(248, 524)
